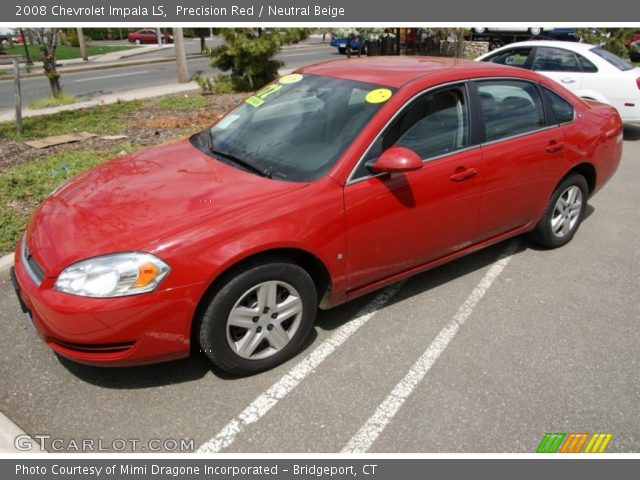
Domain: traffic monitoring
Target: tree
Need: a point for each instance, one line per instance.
(248, 53)
(47, 40)
(202, 34)
(614, 40)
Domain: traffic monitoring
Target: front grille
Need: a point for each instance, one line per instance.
(94, 347)
(30, 265)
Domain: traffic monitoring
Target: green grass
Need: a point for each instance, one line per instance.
(64, 52)
(182, 103)
(103, 120)
(30, 183)
(48, 102)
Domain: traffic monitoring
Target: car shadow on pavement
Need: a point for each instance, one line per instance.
(631, 133)
(428, 280)
(160, 374)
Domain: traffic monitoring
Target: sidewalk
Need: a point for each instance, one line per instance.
(8, 433)
(137, 94)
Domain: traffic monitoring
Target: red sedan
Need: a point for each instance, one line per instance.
(327, 184)
(148, 35)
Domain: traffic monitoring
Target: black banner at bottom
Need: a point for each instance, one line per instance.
(370, 468)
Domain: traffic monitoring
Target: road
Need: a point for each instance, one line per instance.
(485, 354)
(85, 85)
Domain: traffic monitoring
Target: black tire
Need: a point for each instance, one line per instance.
(213, 323)
(342, 50)
(543, 233)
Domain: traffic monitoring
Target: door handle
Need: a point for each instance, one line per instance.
(555, 146)
(568, 80)
(463, 174)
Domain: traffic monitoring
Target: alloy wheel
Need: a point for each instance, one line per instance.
(566, 212)
(264, 320)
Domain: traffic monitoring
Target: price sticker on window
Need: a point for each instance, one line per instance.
(378, 95)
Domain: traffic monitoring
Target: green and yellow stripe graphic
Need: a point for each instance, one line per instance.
(573, 442)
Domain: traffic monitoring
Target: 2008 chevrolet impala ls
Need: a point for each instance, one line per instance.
(327, 184)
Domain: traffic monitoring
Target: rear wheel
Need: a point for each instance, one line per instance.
(260, 318)
(535, 31)
(563, 214)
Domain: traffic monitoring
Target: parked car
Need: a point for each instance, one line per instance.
(634, 37)
(589, 71)
(342, 44)
(325, 185)
(8, 33)
(486, 30)
(634, 51)
(148, 35)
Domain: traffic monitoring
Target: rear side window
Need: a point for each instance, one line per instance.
(515, 57)
(509, 107)
(614, 60)
(562, 110)
(556, 60)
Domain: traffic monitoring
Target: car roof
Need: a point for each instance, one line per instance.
(397, 71)
(575, 46)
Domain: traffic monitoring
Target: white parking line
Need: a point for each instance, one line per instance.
(267, 400)
(111, 76)
(371, 430)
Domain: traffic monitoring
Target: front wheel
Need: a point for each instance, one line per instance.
(138, 41)
(535, 31)
(260, 318)
(563, 214)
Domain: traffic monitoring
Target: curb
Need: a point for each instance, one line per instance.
(6, 262)
(8, 432)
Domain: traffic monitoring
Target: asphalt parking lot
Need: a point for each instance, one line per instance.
(485, 354)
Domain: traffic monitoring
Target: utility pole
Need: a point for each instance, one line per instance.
(159, 36)
(16, 74)
(181, 55)
(83, 46)
(26, 48)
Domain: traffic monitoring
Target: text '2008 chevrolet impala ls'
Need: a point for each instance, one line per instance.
(327, 184)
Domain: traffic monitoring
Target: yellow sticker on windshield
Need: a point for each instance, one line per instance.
(254, 101)
(292, 78)
(379, 95)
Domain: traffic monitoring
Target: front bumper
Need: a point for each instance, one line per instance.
(138, 329)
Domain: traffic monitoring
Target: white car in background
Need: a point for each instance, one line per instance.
(587, 70)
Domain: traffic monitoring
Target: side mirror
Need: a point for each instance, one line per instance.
(397, 159)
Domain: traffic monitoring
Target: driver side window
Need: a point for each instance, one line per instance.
(435, 124)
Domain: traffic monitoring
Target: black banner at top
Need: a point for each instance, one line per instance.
(209, 12)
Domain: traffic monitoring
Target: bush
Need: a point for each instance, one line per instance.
(248, 54)
(221, 84)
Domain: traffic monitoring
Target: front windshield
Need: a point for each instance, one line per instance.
(296, 128)
(613, 59)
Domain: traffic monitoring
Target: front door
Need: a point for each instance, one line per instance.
(395, 222)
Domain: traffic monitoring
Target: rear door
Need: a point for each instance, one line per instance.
(521, 155)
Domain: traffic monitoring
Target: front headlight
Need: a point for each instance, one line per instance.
(113, 275)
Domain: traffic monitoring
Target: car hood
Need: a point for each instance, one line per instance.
(127, 203)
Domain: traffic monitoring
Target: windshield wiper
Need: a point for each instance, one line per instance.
(243, 163)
